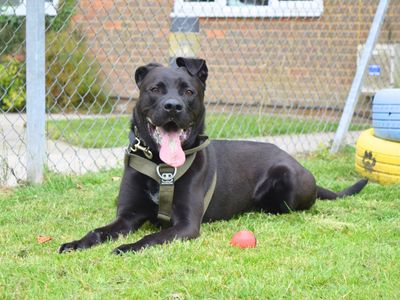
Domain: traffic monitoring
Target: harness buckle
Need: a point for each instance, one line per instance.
(166, 177)
(137, 146)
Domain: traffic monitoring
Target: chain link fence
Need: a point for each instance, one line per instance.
(279, 71)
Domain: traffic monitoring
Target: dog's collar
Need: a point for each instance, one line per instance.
(165, 175)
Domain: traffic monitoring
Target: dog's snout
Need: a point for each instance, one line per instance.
(173, 106)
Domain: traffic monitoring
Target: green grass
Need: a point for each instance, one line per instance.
(345, 249)
(113, 131)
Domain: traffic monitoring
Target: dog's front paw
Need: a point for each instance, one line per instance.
(72, 246)
(125, 248)
(89, 240)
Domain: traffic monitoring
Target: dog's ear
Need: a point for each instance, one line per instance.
(195, 66)
(141, 72)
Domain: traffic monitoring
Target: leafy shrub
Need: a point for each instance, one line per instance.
(12, 85)
(12, 34)
(65, 11)
(73, 80)
(73, 77)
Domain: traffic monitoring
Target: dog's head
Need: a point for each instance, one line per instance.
(170, 112)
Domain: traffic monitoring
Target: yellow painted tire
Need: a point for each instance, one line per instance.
(378, 159)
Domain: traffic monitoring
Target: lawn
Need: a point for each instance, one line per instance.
(113, 131)
(345, 249)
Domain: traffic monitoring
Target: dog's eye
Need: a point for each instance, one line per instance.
(189, 93)
(155, 90)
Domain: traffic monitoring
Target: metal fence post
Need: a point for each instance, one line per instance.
(354, 93)
(183, 38)
(35, 89)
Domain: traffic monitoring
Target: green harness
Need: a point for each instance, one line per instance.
(166, 175)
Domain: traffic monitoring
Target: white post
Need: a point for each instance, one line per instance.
(359, 77)
(35, 90)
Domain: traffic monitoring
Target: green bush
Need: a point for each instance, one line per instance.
(66, 9)
(12, 35)
(73, 80)
(12, 85)
(73, 77)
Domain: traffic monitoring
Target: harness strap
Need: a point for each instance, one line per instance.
(166, 197)
(166, 176)
(210, 192)
(149, 168)
(165, 204)
(202, 145)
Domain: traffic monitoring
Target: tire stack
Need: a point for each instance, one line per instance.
(378, 148)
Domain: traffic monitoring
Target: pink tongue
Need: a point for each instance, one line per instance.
(171, 151)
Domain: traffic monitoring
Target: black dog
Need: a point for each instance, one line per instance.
(240, 176)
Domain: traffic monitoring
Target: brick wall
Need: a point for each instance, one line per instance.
(273, 61)
(124, 35)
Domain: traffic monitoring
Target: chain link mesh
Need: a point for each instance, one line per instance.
(279, 71)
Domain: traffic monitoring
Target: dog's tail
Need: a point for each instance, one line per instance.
(324, 194)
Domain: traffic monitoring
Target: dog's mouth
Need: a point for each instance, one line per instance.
(169, 139)
(157, 132)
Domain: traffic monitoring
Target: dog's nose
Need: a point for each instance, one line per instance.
(173, 106)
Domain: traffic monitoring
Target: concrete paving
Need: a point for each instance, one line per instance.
(65, 158)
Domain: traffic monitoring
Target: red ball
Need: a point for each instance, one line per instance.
(244, 239)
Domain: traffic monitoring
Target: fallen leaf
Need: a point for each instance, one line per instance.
(43, 239)
(79, 186)
(115, 178)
